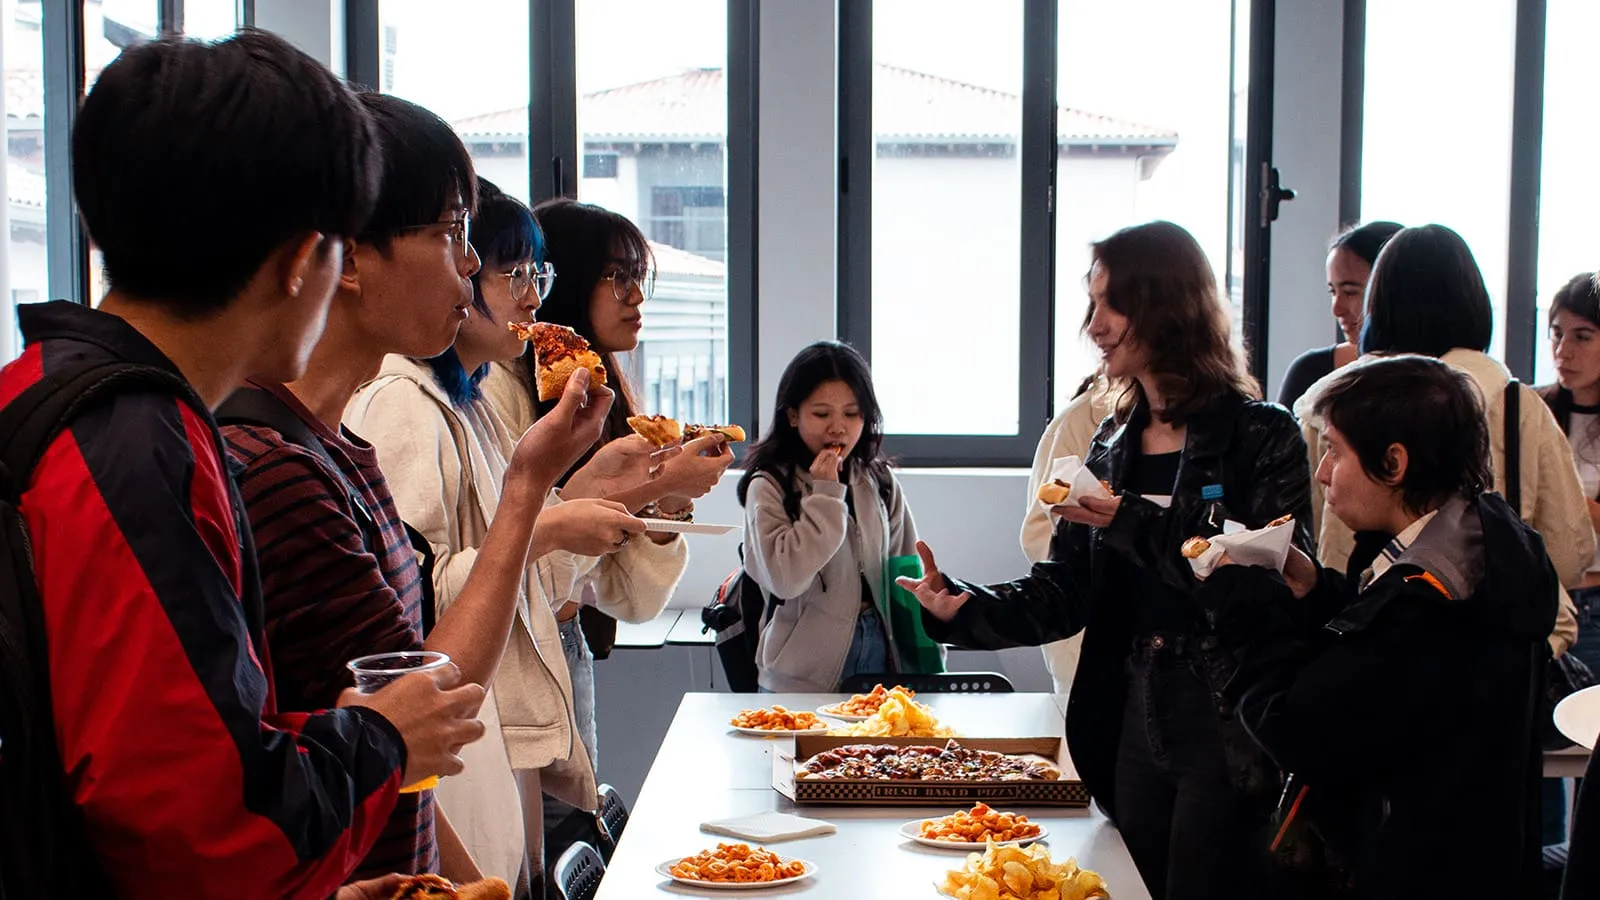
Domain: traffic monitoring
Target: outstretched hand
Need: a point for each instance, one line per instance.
(373, 889)
(1095, 512)
(930, 590)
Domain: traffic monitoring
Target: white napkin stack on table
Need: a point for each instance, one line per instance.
(1071, 470)
(1265, 547)
(769, 827)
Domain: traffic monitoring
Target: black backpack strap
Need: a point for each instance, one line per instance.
(261, 408)
(1513, 427)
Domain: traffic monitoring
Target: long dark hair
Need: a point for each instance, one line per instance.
(1427, 296)
(581, 240)
(781, 454)
(503, 231)
(1159, 278)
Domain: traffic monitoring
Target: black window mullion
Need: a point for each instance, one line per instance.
(1353, 86)
(1258, 166)
(856, 155)
(744, 67)
(1527, 135)
(245, 13)
(1036, 316)
(363, 57)
(553, 158)
(169, 18)
(67, 247)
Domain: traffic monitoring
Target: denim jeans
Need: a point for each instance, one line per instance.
(1177, 810)
(869, 648)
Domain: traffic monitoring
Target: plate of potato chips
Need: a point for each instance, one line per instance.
(897, 716)
(970, 829)
(1021, 873)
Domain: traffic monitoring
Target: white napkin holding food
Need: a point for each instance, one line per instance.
(1070, 471)
(1265, 547)
(769, 827)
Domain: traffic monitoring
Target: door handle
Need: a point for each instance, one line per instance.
(1273, 193)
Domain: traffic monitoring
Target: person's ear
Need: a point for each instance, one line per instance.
(302, 260)
(1396, 461)
(349, 277)
(794, 418)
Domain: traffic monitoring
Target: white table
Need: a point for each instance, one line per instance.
(651, 635)
(705, 771)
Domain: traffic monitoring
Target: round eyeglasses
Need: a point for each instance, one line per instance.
(540, 277)
(622, 283)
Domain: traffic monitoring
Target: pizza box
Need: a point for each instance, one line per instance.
(1068, 791)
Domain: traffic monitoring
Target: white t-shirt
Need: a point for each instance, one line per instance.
(1584, 433)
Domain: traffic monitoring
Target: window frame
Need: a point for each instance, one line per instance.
(1527, 144)
(1037, 296)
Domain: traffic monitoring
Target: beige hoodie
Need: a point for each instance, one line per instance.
(445, 465)
(1552, 497)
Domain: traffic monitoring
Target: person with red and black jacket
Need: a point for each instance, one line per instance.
(220, 182)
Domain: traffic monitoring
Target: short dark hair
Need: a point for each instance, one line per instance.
(1366, 241)
(426, 169)
(503, 232)
(1427, 296)
(1424, 405)
(1158, 276)
(194, 162)
(1579, 296)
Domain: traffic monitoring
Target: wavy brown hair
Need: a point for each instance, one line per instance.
(1157, 276)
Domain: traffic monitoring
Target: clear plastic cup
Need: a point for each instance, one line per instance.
(379, 669)
(375, 671)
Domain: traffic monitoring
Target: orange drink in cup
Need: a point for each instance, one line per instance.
(374, 671)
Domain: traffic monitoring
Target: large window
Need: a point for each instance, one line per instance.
(25, 274)
(1145, 90)
(1569, 228)
(946, 213)
(1437, 125)
(999, 151)
(210, 19)
(652, 125)
(470, 67)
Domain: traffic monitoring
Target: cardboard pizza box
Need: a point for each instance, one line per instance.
(1069, 790)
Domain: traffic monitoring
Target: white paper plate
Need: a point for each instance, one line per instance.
(665, 871)
(823, 711)
(821, 728)
(1578, 716)
(666, 526)
(912, 831)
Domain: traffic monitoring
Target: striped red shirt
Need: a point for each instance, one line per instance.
(329, 597)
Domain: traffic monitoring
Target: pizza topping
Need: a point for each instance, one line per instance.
(952, 762)
(555, 342)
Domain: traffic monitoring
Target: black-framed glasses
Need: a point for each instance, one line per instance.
(460, 231)
(622, 283)
(541, 277)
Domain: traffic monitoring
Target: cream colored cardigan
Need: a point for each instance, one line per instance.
(633, 584)
(1068, 434)
(444, 465)
(1552, 497)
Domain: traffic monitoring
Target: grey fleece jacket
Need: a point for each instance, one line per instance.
(815, 565)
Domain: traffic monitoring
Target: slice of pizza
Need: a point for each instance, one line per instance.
(658, 430)
(558, 352)
(734, 433)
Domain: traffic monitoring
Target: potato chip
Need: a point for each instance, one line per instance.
(897, 716)
(1015, 873)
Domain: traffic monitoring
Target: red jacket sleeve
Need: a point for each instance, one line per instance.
(185, 775)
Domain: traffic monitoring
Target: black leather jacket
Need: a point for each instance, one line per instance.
(1255, 452)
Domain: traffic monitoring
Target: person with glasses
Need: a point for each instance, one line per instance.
(340, 578)
(605, 275)
(446, 450)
